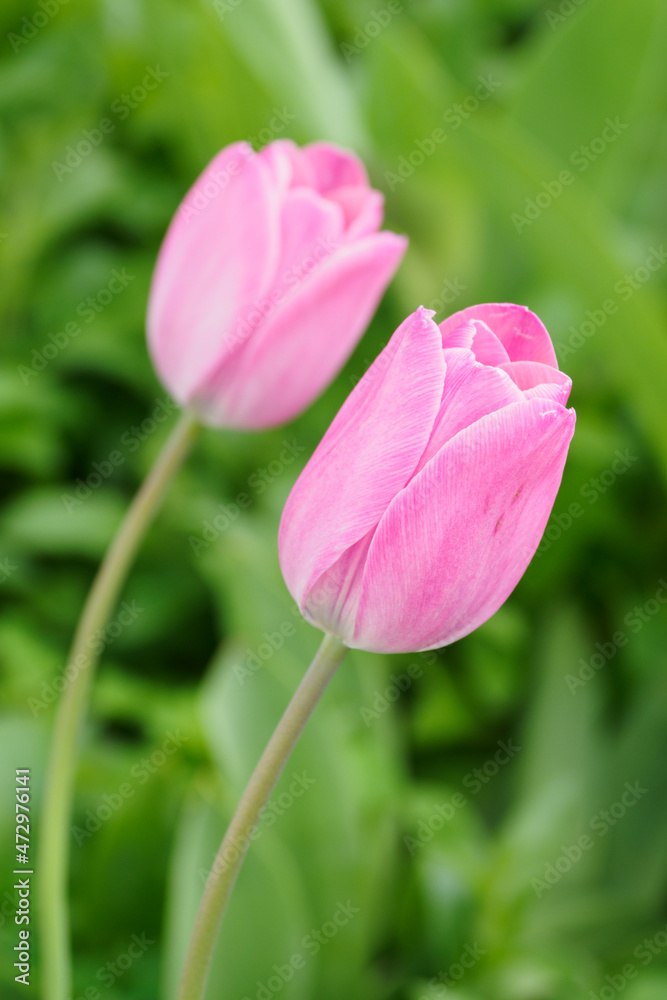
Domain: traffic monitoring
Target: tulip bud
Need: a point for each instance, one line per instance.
(427, 497)
(269, 273)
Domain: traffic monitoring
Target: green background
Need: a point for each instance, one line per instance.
(335, 71)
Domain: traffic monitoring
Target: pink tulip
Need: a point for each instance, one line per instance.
(427, 497)
(269, 274)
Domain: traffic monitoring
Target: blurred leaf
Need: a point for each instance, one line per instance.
(41, 522)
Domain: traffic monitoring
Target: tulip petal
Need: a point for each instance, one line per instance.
(359, 466)
(334, 166)
(486, 347)
(521, 333)
(536, 380)
(363, 209)
(219, 254)
(452, 546)
(307, 337)
(479, 339)
(331, 602)
(460, 335)
(471, 391)
(288, 165)
(311, 230)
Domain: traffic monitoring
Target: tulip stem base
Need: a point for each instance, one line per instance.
(223, 876)
(55, 834)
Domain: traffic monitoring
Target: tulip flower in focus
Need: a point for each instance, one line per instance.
(269, 274)
(426, 499)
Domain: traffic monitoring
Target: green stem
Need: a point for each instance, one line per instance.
(223, 875)
(52, 868)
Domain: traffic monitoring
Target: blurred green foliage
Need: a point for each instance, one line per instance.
(396, 842)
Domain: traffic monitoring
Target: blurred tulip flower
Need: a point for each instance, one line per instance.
(426, 499)
(269, 274)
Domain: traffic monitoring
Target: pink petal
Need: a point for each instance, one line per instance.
(311, 230)
(308, 335)
(557, 393)
(363, 209)
(521, 333)
(453, 545)
(471, 391)
(482, 342)
(310, 225)
(288, 165)
(486, 347)
(219, 254)
(359, 466)
(331, 602)
(461, 335)
(538, 380)
(334, 167)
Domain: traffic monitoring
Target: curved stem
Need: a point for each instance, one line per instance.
(224, 874)
(53, 868)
